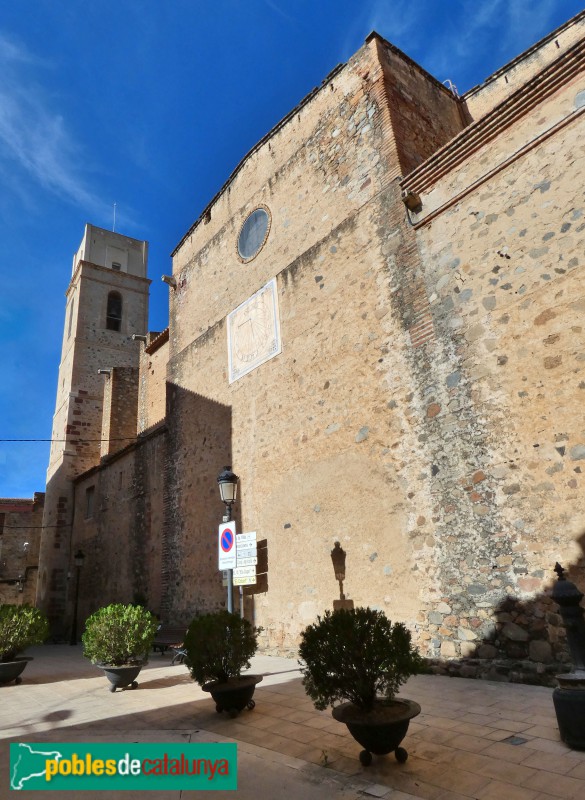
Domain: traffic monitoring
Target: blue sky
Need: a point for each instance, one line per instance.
(150, 104)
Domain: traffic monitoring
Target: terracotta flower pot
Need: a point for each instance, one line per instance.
(380, 730)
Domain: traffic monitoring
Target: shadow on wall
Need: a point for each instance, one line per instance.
(529, 642)
(338, 557)
(151, 536)
(199, 446)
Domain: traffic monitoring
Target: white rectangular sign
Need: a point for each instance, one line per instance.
(251, 561)
(246, 545)
(250, 552)
(226, 545)
(245, 537)
(242, 572)
(249, 581)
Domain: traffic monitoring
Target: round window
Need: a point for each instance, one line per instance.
(253, 234)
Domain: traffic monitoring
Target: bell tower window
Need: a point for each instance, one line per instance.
(71, 307)
(114, 312)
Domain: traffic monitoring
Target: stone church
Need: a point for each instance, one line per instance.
(378, 322)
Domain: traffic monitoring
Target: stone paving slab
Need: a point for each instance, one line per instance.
(473, 739)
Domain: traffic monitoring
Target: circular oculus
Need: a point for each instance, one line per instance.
(253, 233)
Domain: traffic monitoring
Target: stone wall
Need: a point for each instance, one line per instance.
(120, 409)
(312, 439)
(20, 536)
(513, 76)
(502, 242)
(388, 335)
(314, 433)
(152, 382)
(122, 538)
(424, 114)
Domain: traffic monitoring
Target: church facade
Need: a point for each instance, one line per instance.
(378, 323)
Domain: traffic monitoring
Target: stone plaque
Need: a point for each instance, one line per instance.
(253, 331)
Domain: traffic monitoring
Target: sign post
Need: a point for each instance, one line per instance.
(226, 548)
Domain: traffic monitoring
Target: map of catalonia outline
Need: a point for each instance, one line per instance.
(17, 784)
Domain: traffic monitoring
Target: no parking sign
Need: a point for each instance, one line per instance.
(226, 545)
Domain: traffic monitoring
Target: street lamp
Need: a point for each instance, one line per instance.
(78, 560)
(228, 490)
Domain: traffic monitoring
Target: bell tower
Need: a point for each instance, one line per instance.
(106, 303)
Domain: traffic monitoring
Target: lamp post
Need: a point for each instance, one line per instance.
(78, 560)
(228, 490)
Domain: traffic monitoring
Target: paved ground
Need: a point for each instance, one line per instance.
(474, 739)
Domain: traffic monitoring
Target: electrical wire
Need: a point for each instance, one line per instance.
(74, 441)
(33, 527)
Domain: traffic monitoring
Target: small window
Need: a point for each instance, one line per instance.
(71, 307)
(114, 312)
(116, 266)
(89, 499)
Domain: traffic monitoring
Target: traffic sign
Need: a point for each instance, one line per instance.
(226, 545)
(246, 549)
(245, 537)
(243, 572)
(249, 581)
(250, 552)
(251, 561)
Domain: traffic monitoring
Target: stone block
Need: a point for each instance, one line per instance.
(487, 651)
(540, 651)
(515, 633)
(448, 650)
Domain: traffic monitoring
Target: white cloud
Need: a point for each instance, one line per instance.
(12, 51)
(34, 140)
(530, 16)
(276, 8)
(395, 20)
(472, 27)
(504, 28)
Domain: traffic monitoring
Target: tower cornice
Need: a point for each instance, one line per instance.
(107, 271)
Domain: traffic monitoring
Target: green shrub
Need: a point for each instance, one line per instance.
(119, 634)
(219, 646)
(20, 627)
(356, 655)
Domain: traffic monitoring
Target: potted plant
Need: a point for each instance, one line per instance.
(219, 646)
(360, 657)
(20, 627)
(118, 638)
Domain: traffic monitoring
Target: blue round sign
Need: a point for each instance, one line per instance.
(227, 540)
